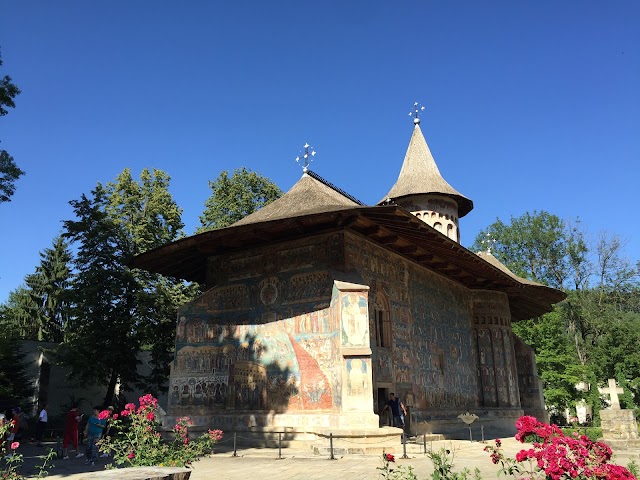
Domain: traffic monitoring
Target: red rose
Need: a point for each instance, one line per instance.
(389, 457)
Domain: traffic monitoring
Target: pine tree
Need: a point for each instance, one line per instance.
(49, 290)
(117, 310)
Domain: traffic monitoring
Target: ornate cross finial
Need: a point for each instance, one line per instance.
(488, 242)
(306, 158)
(415, 113)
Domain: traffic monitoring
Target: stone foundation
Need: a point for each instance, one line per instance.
(619, 428)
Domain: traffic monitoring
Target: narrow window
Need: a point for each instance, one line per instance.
(382, 322)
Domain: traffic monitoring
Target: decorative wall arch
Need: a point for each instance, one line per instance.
(382, 320)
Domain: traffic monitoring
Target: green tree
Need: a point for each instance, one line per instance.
(15, 387)
(18, 315)
(556, 358)
(236, 196)
(9, 171)
(49, 289)
(589, 337)
(150, 217)
(101, 341)
(539, 246)
(118, 310)
(39, 309)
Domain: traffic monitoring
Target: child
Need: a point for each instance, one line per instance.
(93, 432)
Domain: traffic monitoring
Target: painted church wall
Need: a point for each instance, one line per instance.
(530, 383)
(265, 338)
(497, 373)
(432, 361)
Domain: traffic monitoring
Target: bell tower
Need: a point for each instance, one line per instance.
(421, 189)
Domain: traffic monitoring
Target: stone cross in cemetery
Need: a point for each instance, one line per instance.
(612, 390)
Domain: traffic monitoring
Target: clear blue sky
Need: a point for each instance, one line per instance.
(529, 104)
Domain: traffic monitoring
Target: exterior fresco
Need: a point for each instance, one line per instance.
(261, 343)
(355, 323)
(498, 373)
(280, 336)
(433, 356)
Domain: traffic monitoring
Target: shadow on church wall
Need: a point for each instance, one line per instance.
(266, 361)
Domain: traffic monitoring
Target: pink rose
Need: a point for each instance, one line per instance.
(150, 416)
(15, 445)
(131, 455)
(104, 414)
(115, 416)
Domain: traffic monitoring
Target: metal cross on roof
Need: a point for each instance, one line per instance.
(306, 158)
(415, 113)
(488, 242)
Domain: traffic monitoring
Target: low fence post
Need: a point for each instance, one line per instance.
(279, 445)
(235, 450)
(424, 443)
(331, 457)
(404, 445)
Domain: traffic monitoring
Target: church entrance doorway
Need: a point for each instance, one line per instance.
(382, 395)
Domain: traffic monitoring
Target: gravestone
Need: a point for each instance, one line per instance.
(619, 428)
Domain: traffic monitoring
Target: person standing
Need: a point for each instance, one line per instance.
(43, 418)
(108, 429)
(13, 431)
(71, 432)
(398, 411)
(93, 432)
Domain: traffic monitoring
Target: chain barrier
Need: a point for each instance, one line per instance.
(266, 437)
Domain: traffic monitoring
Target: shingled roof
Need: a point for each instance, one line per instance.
(498, 264)
(420, 175)
(311, 194)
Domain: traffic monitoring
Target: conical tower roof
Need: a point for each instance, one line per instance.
(420, 176)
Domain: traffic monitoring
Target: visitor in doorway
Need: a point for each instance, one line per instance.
(43, 419)
(397, 410)
(71, 432)
(93, 432)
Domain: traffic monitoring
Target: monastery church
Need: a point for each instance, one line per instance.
(317, 306)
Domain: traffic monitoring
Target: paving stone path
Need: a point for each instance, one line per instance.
(256, 463)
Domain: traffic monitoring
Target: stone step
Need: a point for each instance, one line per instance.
(135, 473)
(428, 437)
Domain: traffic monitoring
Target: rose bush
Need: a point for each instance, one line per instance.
(389, 473)
(138, 442)
(13, 460)
(557, 456)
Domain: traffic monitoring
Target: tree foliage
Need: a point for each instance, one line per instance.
(9, 171)
(17, 313)
(538, 246)
(117, 310)
(39, 310)
(15, 387)
(591, 336)
(236, 196)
